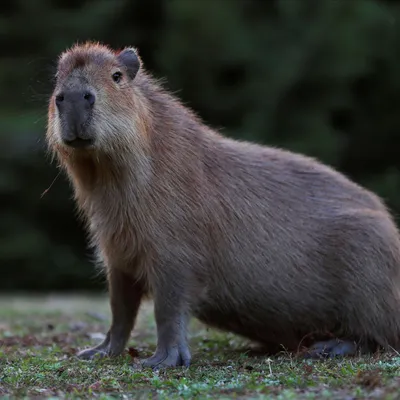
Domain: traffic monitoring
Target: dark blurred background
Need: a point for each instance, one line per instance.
(317, 76)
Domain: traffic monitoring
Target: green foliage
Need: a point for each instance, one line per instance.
(315, 76)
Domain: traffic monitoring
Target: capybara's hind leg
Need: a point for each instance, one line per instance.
(369, 279)
(332, 348)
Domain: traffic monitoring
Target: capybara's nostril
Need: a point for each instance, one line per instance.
(59, 99)
(89, 97)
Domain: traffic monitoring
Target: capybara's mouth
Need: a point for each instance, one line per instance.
(79, 143)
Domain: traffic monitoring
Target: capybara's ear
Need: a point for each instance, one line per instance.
(130, 60)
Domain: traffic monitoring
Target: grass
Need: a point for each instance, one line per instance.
(40, 336)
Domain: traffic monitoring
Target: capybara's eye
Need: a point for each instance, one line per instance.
(117, 76)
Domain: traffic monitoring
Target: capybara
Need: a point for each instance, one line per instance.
(255, 240)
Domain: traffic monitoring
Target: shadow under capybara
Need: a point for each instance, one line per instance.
(255, 240)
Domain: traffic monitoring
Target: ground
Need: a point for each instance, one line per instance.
(39, 337)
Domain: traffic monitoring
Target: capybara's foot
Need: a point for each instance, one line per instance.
(89, 354)
(332, 348)
(107, 348)
(168, 357)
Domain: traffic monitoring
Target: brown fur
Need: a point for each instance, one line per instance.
(266, 243)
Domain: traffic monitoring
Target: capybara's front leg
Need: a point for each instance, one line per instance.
(170, 308)
(125, 299)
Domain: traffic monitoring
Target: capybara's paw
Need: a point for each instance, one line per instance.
(94, 352)
(331, 349)
(167, 358)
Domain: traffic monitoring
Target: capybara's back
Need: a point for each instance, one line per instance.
(270, 244)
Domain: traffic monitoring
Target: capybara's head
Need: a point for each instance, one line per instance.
(93, 101)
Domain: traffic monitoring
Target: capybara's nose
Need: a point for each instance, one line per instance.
(75, 109)
(76, 99)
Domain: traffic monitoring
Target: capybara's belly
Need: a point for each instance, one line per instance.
(256, 325)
